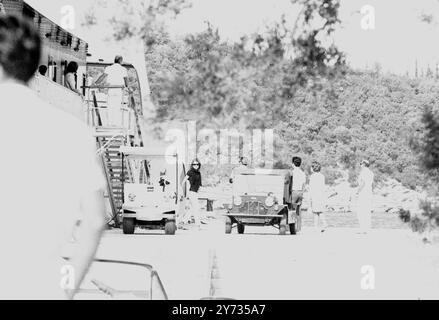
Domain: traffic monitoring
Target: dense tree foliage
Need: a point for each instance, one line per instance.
(334, 115)
(131, 18)
(426, 145)
(293, 79)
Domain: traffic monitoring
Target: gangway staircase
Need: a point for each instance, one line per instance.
(109, 140)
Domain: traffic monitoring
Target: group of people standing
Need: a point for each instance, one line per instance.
(317, 189)
(318, 193)
(115, 77)
(70, 75)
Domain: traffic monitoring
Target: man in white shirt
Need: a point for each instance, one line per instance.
(115, 75)
(298, 184)
(50, 179)
(243, 165)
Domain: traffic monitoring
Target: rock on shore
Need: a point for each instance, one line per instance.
(389, 196)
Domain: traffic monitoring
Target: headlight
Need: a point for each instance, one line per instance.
(269, 202)
(237, 201)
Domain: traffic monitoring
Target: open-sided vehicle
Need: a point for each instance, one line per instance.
(150, 197)
(261, 197)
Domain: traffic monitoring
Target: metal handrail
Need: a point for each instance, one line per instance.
(132, 105)
(101, 150)
(150, 268)
(105, 107)
(103, 87)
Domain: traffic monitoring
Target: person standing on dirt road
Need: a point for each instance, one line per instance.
(297, 185)
(243, 164)
(51, 179)
(365, 197)
(317, 193)
(194, 178)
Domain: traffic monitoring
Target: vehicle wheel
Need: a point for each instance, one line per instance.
(241, 228)
(228, 225)
(128, 225)
(293, 229)
(170, 227)
(283, 227)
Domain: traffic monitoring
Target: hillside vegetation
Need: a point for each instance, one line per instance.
(331, 114)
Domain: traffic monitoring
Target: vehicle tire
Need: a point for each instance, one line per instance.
(293, 229)
(170, 227)
(128, 225)
(228, 225)
(118, 221)
(283, 229)
(241, 228)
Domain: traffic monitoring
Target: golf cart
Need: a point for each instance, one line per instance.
(261, 197)
(152, 191)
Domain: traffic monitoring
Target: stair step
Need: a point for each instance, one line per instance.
(114, 146)
(113, 160)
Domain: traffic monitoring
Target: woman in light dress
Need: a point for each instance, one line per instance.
(364, 193)
(317, 190)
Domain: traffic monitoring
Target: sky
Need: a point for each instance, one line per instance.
(397, 41)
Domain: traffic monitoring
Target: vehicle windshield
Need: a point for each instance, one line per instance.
(259, 185)
(153, 170)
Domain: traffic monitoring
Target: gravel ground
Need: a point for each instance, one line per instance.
(262, 265)
(349, 220)
(380, 220)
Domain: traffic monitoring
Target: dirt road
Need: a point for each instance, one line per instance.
(388, 263)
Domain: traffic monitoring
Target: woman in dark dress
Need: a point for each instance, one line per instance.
(194, 178)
